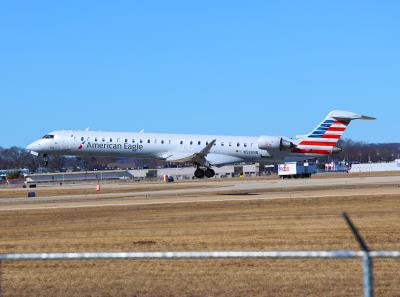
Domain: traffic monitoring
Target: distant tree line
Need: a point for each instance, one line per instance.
(15, 158)
(358, 151)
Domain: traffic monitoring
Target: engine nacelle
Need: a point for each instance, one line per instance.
(274, 142)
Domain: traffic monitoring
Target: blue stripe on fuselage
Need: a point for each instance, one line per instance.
(321, 129)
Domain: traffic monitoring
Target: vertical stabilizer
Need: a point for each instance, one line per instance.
(324, 138)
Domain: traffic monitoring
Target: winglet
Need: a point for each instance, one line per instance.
(207, 148)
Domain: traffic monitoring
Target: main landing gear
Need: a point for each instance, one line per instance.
(200, 173)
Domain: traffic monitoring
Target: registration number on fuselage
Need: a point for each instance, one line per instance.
(250, 152)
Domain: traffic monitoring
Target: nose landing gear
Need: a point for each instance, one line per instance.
(45, 161)
(200, 173)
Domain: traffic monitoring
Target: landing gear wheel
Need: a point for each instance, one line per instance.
(199, 173)
(209, 173)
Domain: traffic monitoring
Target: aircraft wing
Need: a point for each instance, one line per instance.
(180, 157)
(202, 157)
(210, 159)
(220, 159)
(195, 157)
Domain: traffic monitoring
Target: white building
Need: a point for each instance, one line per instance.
(376, 167)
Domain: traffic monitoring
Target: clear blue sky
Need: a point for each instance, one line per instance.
(223, 67)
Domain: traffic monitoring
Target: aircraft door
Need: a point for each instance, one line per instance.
(63, 142)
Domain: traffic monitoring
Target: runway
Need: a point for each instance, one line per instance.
(213, 192)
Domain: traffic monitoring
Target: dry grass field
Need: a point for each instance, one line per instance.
(278, 224)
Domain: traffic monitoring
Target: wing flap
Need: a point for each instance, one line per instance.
(178, 157)
(195, 157)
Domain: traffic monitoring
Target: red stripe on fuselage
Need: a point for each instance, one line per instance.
(341, 122)
(317, 143)
(311, 151)
(336, 129)
(332, 136)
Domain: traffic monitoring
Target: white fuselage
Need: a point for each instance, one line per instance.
(226, 150)
(203, 151)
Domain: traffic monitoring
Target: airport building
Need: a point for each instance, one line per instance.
(184, 173)
(10, 175)
(376, 167)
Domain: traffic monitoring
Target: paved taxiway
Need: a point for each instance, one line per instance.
(216, 191)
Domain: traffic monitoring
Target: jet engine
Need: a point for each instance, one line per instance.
(274, 142)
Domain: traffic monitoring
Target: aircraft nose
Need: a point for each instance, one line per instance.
(34, 146)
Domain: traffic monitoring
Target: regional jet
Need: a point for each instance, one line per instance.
(203, 151)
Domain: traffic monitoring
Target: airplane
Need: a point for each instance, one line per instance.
(203, 151)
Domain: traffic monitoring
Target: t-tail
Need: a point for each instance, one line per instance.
(324, 138)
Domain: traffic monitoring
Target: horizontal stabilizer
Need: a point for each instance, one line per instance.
(342, 115)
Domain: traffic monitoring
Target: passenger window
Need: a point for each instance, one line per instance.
(206, 142)
(230, 143)
(169, 141)
(141, 140)
(199, 142)
(133, 140)
(110, 139)
(162, 141)
(238, 144)
(82, 139)
(95, 139)
(103, 139)
(222, 144)
(191, 142)
(126, 139)
(148, 140)
(245, 144)
(181, 142)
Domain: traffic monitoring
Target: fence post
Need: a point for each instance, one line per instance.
(366, 258)
(368, 275)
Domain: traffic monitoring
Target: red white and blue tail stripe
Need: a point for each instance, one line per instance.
(324, 138)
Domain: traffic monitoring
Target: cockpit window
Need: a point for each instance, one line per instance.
(48, 137)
